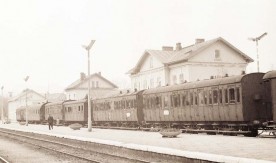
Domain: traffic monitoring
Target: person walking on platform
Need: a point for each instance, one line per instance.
(50, 122)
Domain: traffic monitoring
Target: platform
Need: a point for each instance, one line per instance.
(216, 148)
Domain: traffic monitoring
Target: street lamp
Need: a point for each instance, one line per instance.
(2, 108)
(256, 40)
(26, 79)
(88, 100)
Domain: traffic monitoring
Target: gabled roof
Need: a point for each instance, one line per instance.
(55, 97)
(23, 94)
(79, 81)
(176, 56)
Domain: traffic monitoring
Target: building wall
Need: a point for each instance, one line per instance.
(76, 94)
(151, 75)
(97, 85)
(216, 60)
(93, 83)
(32, 98)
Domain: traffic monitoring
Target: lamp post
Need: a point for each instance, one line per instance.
(26, 79)
(2, 108)
(88, 97)
(256, 40)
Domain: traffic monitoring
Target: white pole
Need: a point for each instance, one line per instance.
(256, 40)
(88, 96)
(26, 79)
(88, 100)
(2, 108)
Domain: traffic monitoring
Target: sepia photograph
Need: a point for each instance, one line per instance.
(137, 81)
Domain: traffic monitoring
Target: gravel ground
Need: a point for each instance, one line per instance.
(17, 152)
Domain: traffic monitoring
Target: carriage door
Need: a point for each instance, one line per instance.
(215, 108)
(232, 103)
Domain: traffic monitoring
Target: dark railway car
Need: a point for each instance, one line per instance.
(119, 110)
(35, 113)
(56, 109)
(231, 103)
(270, 93)
(75, 112)
(21, 114)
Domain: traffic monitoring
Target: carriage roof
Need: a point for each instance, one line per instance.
(270, 75)
(75, 102)
(57, 103)
(119, 94)
(199, 84)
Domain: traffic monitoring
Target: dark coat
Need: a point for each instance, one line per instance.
(50, 119)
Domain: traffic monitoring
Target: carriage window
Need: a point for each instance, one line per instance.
(210, 97)
(191, 98)
(215, 96)
(220, 96)
(175, 99)
(232, 95)
(79, 108)
(158, 101)
(238, 95)
(205, 98)
(153, 102)
(166, 101)
(201, 97)
(226, 96)
(184, 99)
(196, 99)
(134, 104)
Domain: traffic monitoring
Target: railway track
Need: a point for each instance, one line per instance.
(2, 160)
(77, 152)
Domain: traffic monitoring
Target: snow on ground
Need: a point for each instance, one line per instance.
(208, 147)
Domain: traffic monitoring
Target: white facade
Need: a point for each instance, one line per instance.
(20, 100)
(215, 58)
(98, 84)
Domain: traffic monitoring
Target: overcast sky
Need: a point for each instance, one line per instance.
(43, 38)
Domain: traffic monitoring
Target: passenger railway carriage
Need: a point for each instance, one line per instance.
(20, 114)
(232, 103)
(123, 109)
(237, 104)
(270, 91)
(56, 110)
(35, 113)
(75, 112)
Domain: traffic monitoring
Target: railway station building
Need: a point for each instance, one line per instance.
(26, 97)
(99, 87)
(214, 58)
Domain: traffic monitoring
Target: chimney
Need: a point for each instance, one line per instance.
(178, 46)
(100, 73)
(199, 40)
(82, 76)
(167, 48)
